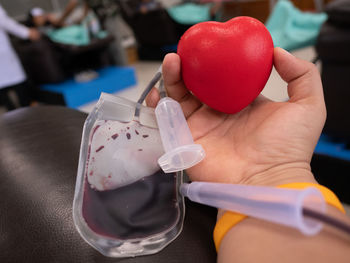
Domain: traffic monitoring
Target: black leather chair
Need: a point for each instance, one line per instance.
(333, 50)
(48, 62)
(40, 61)
(39, 151)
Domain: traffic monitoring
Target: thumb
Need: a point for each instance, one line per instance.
(303, 78)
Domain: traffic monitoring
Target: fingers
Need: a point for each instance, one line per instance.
(302, 77)
(172, 77)
(152, 98)
(175, 87)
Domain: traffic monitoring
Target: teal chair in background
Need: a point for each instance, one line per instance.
(291, 28)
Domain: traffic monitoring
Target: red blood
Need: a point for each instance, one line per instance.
(100, 148)
(94, 130)
(226, 65)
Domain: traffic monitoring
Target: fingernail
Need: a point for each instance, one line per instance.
(284, 51)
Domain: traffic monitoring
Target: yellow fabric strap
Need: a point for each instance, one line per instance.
(230, 219)
(328, 195)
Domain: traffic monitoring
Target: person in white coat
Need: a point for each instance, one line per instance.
(12, 75)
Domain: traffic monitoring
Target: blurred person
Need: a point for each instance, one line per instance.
(63, 19)
(38, 18)
(12, 75)
(43, 22)
(69, 29)
(47, 22)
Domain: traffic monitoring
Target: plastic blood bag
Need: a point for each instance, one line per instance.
(124, 204)
(132, 147)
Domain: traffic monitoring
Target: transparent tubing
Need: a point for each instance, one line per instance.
(281, 206)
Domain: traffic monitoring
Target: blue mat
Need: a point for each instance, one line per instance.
(110, 80)
(334, 148)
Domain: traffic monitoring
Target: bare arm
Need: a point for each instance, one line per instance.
(254, 240)
(267, 143)
(85, 13)
(72, 4)
(13, 27)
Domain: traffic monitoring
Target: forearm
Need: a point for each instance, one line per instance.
(253, 240)
(13, 27)
(68, 10)
(85, 13)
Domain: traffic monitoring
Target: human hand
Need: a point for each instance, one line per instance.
(267, 143)
(34, 34)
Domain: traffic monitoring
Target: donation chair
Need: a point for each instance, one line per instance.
(39, 153)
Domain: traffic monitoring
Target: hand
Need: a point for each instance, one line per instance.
(267, 143)
(34, 34)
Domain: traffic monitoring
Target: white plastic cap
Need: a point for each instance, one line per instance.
(180, 151)
(37, 11)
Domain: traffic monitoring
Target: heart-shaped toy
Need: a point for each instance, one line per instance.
(226, 65)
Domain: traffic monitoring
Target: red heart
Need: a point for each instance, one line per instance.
(226, 65)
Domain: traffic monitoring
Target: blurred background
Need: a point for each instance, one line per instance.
(81, 42)
(66, 52)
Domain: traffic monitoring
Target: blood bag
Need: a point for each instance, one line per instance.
(124, 204)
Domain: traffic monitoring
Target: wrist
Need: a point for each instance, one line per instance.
(226, 221)
(281, 174)
(278, 175)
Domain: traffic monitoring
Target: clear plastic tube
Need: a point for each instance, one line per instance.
(277, 205)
